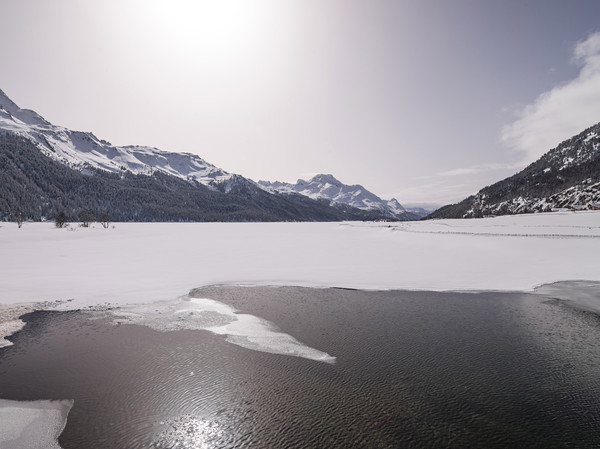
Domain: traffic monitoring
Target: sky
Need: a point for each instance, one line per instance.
(425, 101)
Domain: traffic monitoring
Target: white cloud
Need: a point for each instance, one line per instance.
(454, 185)
(476, 169)
(433, 193)
(562, 112)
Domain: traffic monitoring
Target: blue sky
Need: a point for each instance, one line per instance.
(426, 101)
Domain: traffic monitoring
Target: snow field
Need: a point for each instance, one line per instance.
(147, 262)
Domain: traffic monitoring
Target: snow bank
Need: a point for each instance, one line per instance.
(563, 225)
(32, 425)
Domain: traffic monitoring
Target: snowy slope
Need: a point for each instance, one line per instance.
(327, 187)
(566, 176)
(83, 150)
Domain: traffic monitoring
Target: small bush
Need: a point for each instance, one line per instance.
(61, 220)
(105, 218)
(86, 217)
(19, 218)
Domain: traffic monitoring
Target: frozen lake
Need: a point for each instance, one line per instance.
(111, 326)
(147, 262)
(412, 369)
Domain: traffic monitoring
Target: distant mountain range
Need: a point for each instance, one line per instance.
(326, 187)
(46, 168)
(567, 176)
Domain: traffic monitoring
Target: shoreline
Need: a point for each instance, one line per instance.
(10, 314)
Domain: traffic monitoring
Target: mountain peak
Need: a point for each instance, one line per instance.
(25, 116)
(327, 187)
(324, 179)
(83, 150)
(6, 103)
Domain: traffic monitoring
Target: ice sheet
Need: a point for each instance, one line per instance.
(32, 425)
(8, 328)
(248, 331)
(10, 322)
(583, 295)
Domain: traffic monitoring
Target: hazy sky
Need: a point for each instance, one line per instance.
(425, 101)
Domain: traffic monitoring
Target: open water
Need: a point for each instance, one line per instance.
(412, 369)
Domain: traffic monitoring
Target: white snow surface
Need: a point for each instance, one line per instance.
(32, 425)
(147, 262)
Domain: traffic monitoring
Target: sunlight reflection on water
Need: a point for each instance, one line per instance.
(189, 432)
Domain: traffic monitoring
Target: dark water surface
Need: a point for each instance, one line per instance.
(414, 369)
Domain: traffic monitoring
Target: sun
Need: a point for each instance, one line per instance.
(213, 28)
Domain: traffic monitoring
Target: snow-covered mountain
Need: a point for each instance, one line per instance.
(47, 169)
(327, 187)
(83, 150)
(566, 176)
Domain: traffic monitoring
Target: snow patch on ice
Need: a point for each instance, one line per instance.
(10, 322)
(32, 425)
(247, 331)
(7, 328)
(584, 295)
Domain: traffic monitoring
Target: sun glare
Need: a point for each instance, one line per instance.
(215, 28)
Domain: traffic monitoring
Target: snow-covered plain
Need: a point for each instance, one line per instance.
(146, 262)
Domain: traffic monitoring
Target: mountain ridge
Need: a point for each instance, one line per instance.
(37, 188)
(567, 176)
(83, 150)
(47, 169)
(327, 187)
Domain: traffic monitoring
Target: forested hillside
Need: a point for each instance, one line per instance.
(37, 187)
